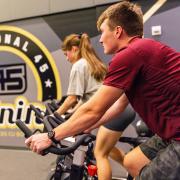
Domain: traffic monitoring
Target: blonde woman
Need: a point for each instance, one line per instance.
(87, 71)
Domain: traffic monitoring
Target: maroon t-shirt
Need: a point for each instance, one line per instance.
(149, 74)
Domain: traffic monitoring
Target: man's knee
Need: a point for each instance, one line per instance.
(130, 165)
(134, 161)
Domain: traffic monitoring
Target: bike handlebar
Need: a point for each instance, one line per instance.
(27, 132)
(37, 112)
(52, 121)
(133, 141)
(82, 140)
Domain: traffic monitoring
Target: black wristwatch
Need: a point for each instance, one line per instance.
(51, 135)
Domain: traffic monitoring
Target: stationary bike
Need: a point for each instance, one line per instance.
(75, 160)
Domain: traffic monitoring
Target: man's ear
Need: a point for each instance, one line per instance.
(118, 31)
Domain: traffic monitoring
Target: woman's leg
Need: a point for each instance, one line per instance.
(107, 137)
(117, 155)
(106, 140)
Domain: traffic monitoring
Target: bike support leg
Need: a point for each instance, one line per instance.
(76, 172)
(77, 167)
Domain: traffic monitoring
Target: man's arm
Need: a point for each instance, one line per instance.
(86, 116)
(117, 108)
(89, 113)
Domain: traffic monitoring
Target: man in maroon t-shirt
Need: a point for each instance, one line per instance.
(148, 72)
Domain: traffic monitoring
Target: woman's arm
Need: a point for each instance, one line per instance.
(69, 102)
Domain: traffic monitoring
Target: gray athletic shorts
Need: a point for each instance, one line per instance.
(122, 121)
(165, 160)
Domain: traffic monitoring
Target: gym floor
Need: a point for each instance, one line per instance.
(25, 165)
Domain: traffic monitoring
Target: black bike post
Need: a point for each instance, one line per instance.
(77, 167)
(76, 172)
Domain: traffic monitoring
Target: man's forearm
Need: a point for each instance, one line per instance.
(81, 120)
(89, 113)
(117, 108)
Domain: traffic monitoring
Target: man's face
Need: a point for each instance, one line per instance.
(108, 38)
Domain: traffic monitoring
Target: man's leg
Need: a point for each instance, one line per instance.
(106, 140)
(142, 155)
(134, 161)
(166, 165)
(152, 158)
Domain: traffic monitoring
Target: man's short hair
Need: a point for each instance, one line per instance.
(125, 14)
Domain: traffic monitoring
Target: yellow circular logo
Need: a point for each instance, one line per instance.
(34, 53)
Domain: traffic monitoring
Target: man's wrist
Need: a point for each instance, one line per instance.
(51, 136)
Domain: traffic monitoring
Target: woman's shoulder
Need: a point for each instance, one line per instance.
(80, 63)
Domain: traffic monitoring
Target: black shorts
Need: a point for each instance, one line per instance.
(152, 146)
(122, 121)
(165, 159)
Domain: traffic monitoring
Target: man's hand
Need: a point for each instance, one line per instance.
(38, 142)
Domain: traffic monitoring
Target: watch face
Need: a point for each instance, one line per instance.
(51, 134)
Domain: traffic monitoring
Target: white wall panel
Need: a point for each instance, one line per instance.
(28, 8)
(18, 9)
(98, 2)
(64, 5)
(5, 10)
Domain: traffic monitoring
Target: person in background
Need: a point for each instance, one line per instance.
(148, 72)
(86, 74)
(107, 137)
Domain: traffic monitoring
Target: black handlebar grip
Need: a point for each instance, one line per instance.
(59, 117)
(27, 132)
(48, 108)
(55, 104)
(52, 121)
(37, 112)
(47, 125)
